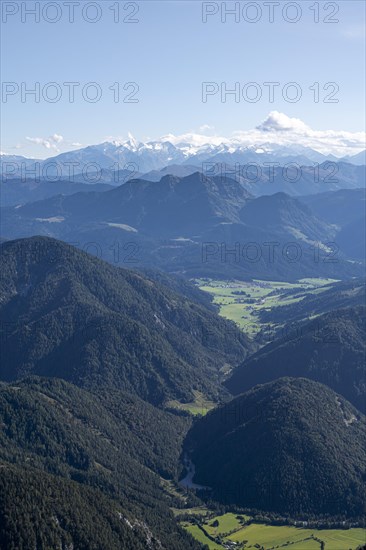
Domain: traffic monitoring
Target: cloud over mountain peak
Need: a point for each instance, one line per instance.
(279, 122)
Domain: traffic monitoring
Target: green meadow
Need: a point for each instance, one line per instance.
(231, 531)
(242, 301)
(281, 536)
(199, 535)
(200, 405)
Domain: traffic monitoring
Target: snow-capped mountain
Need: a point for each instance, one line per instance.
(139, 157)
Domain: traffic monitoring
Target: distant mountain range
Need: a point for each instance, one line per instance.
(340, 207)
(296, 180)
(299, 179)
(155, 155)
(199, 226)
(359, 159)
(346, 210)
(16, 191)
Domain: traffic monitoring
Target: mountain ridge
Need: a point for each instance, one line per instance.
(171, 223)
(328, 349)
(155, 155)
(116, 327)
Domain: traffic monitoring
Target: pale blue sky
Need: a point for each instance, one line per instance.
(169, 53)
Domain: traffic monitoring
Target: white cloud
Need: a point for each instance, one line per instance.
(276, 129)
(206, 128)
(279, 122)
(56, 138)
(279, 129)
(49, 143)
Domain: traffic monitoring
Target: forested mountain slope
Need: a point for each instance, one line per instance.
(329, 349)
(291, 446)
(67, 314)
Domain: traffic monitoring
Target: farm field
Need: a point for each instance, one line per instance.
(242, 301)
(228, 531)
(226, 524)
(201, 537)
(200, 405)
(272, 536)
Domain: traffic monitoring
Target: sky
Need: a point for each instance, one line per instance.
(162, 69)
